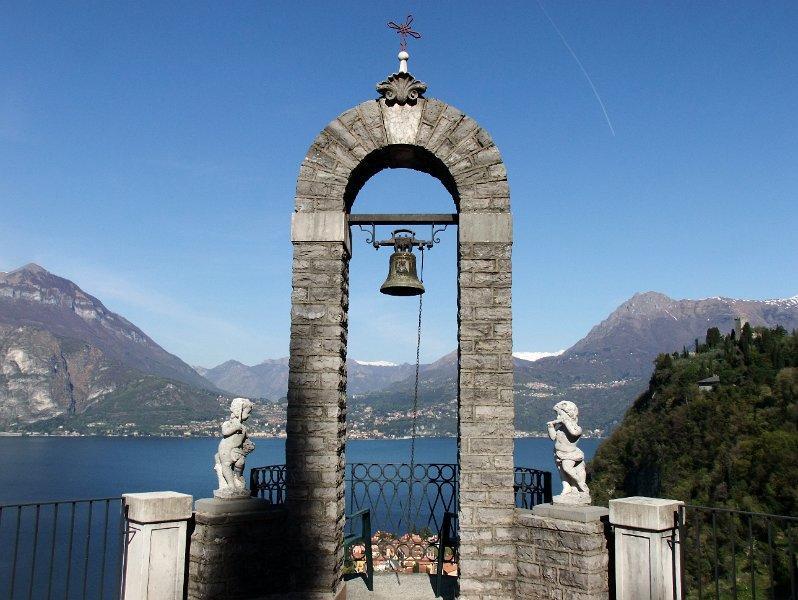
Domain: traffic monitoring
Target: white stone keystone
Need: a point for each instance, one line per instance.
(401, 122)
(647, 548)
(155, 545)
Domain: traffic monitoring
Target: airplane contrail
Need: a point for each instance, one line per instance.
(581, 66)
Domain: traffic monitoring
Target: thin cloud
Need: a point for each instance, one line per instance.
(107, 286)
(194, 328)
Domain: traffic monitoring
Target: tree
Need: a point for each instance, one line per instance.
(747, 457)
(746, 337)
(713, 337)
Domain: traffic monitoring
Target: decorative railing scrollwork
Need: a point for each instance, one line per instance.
(407, 509)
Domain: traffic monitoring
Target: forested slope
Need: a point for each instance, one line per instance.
(736, 445)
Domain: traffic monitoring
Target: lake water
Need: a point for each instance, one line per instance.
(61, 468)
(74, 550)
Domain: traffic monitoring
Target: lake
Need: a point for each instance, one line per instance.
(65, 468)
(87, 537)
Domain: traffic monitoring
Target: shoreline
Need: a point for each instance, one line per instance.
(16, 434)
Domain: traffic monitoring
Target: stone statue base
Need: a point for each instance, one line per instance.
(573, 498)
(563, 552)
(237, 550)
(570, 512)
(231, 493)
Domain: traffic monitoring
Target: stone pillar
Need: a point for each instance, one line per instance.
(238, 550)
(155, 545)
(486, 412)
(316, 428)
(647, 548)
(563, 552)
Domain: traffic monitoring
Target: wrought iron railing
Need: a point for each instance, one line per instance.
(385, 489)
(268, 483)
(387, 486)
(398, 501)
(737, 554)
(66, 549)
(532, 486)
(407, 508)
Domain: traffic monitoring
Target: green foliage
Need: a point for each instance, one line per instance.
(736, 445)
(713, 337)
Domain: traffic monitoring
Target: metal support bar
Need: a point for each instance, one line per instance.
(404, 219)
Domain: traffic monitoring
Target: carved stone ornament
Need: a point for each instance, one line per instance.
(230, 460)
(401, 89)
(565, 431)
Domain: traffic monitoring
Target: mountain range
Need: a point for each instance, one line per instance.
(603, 372)
(64, 354)
(65, 359)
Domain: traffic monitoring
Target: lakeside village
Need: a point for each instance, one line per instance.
(270, 422)
(409, 553)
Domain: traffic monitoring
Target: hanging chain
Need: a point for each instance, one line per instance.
(398, 563)
(415, 400)
(418, 359)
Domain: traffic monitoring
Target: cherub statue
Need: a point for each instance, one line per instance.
(233, 449)
(564, 431)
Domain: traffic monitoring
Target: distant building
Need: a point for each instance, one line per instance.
(708, 384)
(739, 323)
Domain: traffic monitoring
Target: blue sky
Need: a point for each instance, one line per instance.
(149, 151)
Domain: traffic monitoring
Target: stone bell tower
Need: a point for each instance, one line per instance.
(401, 128)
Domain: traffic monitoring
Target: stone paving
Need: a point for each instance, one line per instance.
(392, 586)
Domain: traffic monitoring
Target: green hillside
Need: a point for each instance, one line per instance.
(146, 405)
(736, 445)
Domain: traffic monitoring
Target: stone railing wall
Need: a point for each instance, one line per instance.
(238, 551)
(155, 545)
(563, 553)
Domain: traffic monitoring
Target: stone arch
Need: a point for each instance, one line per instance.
(430, 136)
(398, 156)
(436, 138)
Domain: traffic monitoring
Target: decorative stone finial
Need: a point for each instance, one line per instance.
(401, 88)
(403, 57)
(564, 431)
(232, 454)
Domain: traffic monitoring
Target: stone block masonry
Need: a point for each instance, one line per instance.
(316, 419)
(560, 558)
(238, 551)
(435, 138)
(486, 420)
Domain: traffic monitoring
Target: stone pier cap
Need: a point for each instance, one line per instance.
(158, 507)
(639, 512)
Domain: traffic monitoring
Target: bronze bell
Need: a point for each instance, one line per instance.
(402, 278)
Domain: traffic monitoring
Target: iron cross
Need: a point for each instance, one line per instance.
(405, 30)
